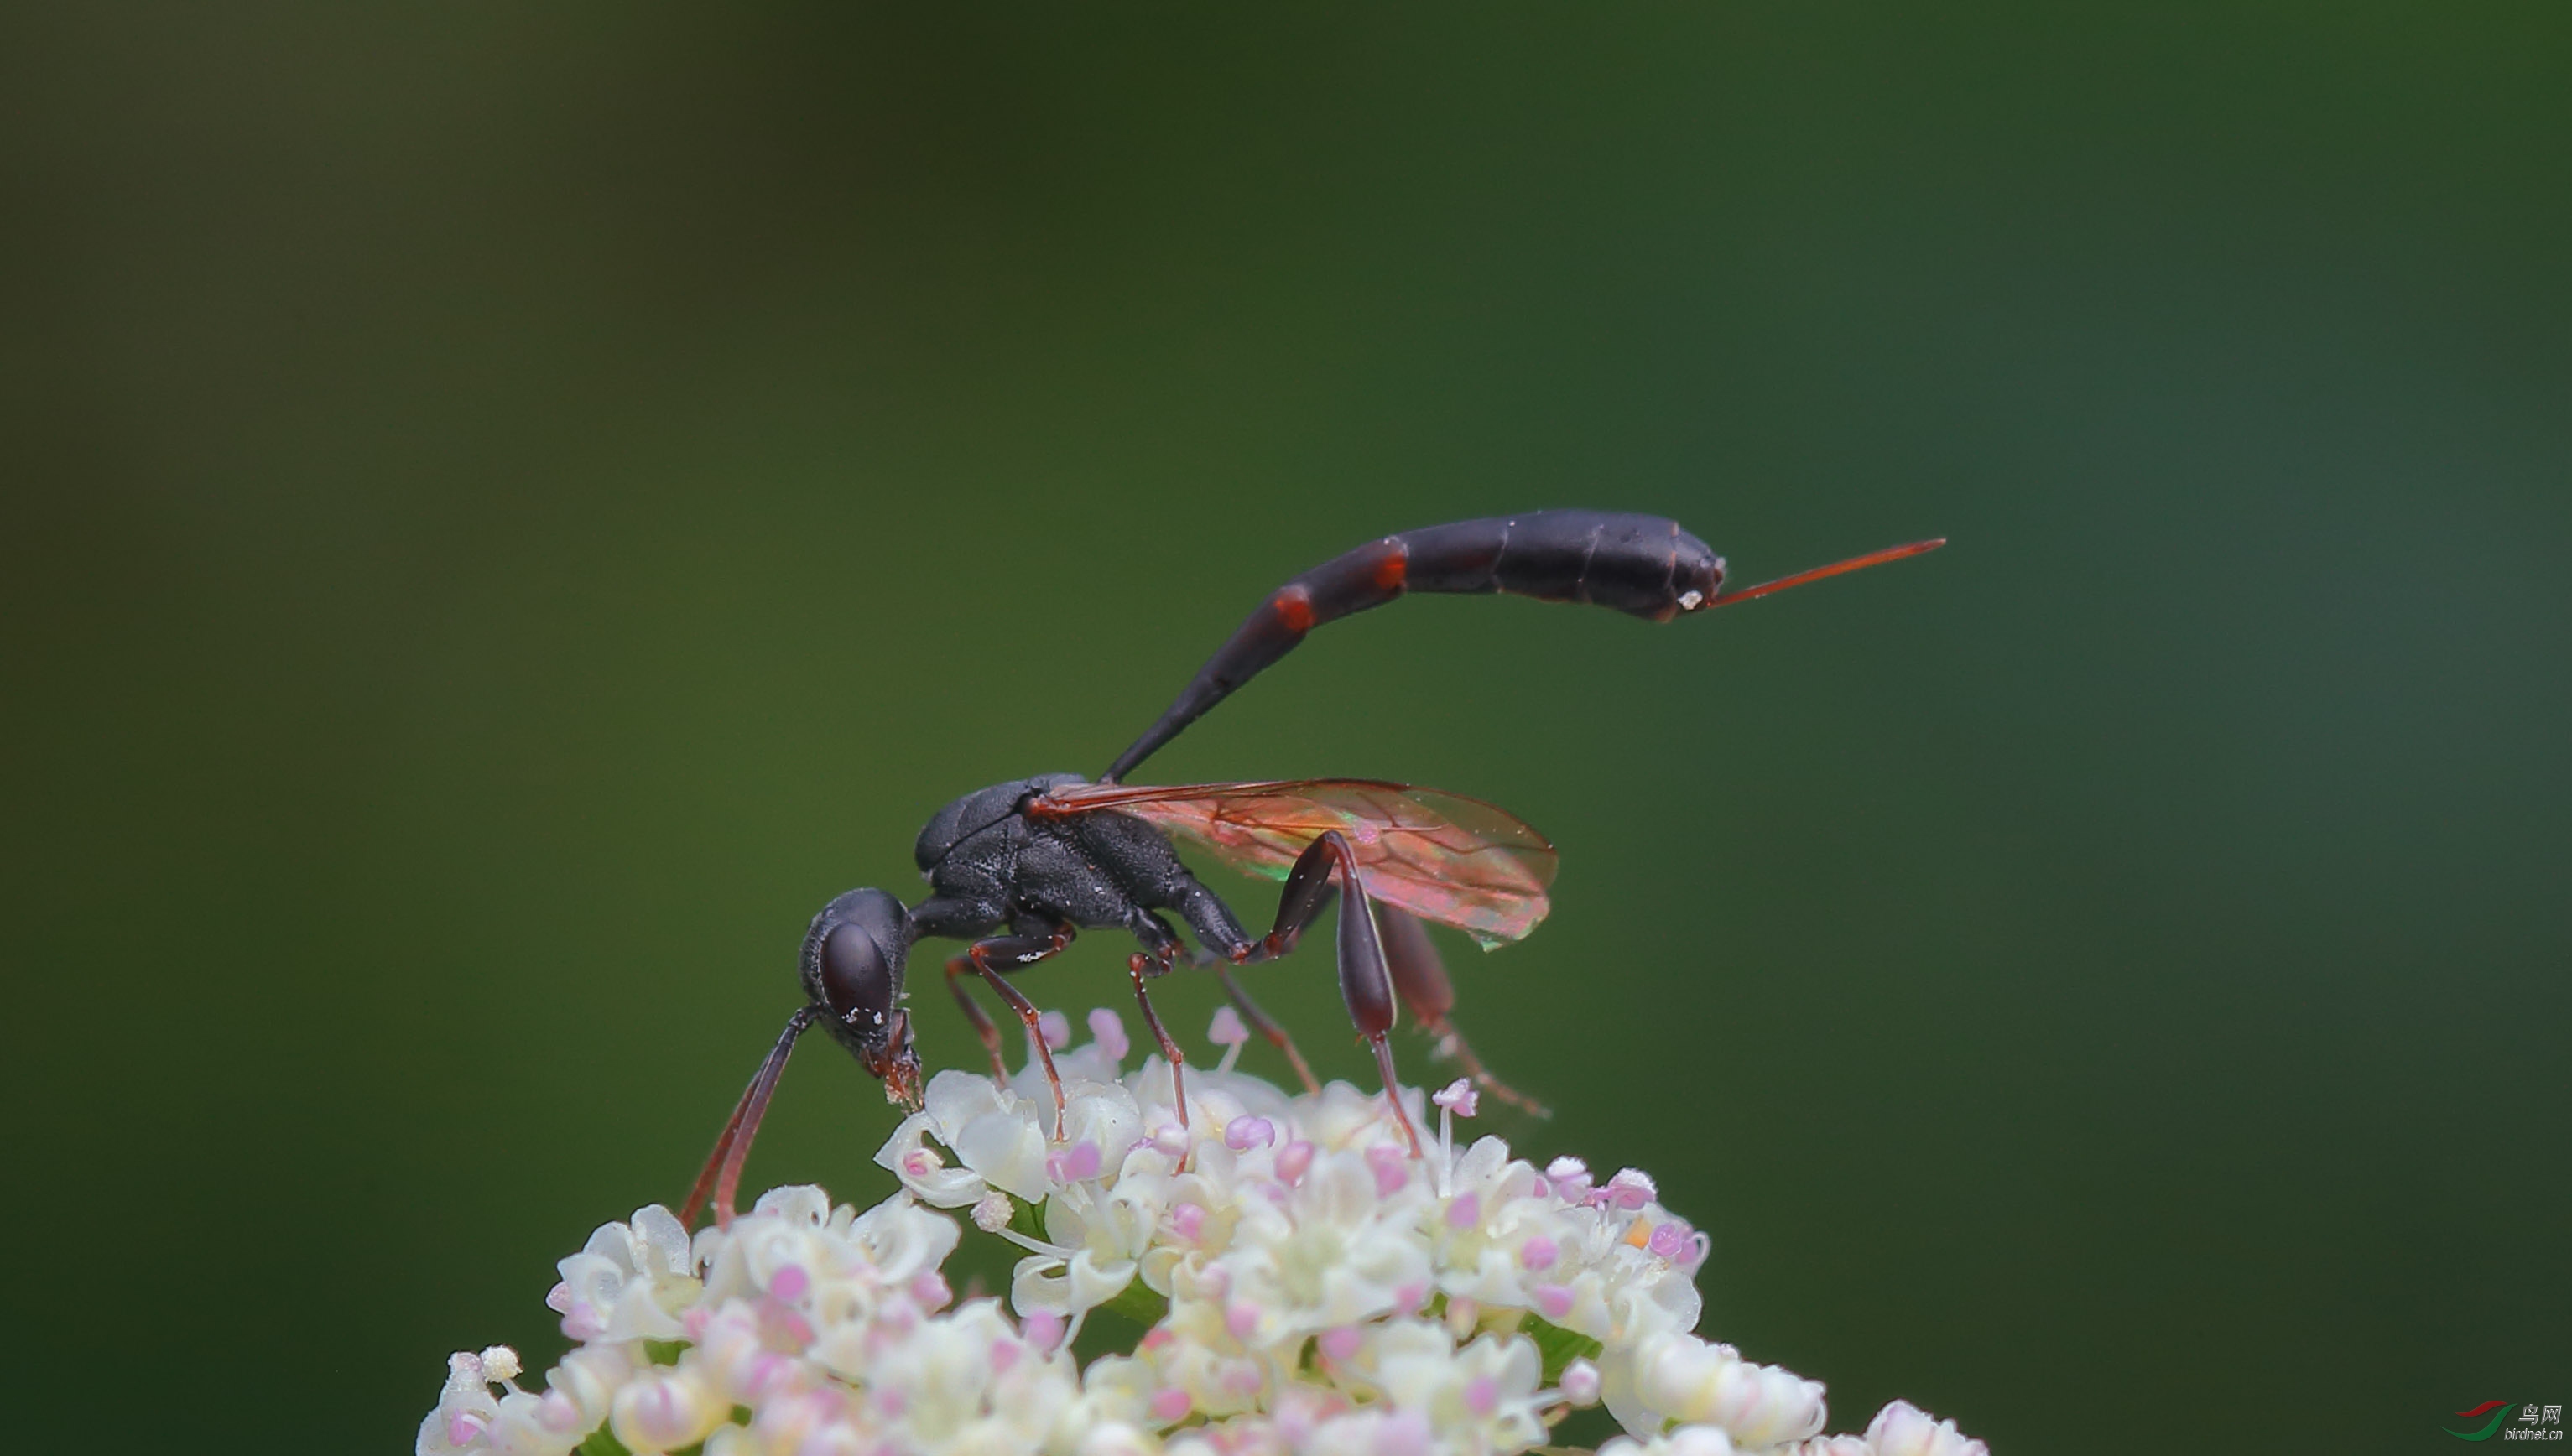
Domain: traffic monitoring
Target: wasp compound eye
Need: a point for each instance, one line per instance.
(857, 985)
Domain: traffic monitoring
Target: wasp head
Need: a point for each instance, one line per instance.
(852, 963)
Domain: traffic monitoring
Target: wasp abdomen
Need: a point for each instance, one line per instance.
(1644, 566)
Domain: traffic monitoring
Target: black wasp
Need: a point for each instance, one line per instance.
(1018, 868)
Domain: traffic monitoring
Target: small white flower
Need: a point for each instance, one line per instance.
(466, 1409)
(1683, 1379)
(1481, 1397)
(1097, 1252)
(1681, 1441)
(1319, 1291)
(1820, 1446)
(1903, 1429)
(626, 1281)
(665, 1409)
(1343, 1245)
(925, 1173)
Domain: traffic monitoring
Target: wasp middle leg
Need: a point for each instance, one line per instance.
(990, 958)
(1161, 949)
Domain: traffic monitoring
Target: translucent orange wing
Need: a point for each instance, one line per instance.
(1441, 857)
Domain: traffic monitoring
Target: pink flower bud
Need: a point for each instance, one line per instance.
(1405, 1433)
(1042, 1330)
(1076, 1164)
(1392, 1168)
(1106, 1028)
(1630, 1189)
(1459, 1098)
(1294, 1160)
(1570, 1178)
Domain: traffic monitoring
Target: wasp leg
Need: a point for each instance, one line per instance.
(1222, 945)
(1366, 984)
(957, 968)
(722, 1173)
(990, 958)
(1161, 949)
(1451, 1043)
(1420, 979)
(1150, 966)
(1263, 1024)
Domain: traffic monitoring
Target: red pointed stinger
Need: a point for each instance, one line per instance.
(1837, 567)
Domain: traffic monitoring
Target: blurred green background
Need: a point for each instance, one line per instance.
(510, 508)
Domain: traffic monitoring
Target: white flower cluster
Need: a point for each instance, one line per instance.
(1307, 1284)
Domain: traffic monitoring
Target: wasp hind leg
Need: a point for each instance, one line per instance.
(1420, 978)
(1266, 1026)
(1366, 983)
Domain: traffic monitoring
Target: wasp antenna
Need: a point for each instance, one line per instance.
(1854, 563)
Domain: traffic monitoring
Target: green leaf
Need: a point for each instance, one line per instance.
(1137, 1302)
(665, 1351)
(1558, 1346)
(601, 1442)
(1026, 1218)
